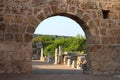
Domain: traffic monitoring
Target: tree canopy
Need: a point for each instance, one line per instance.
(75, 44)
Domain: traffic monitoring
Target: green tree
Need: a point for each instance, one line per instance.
(76, 44)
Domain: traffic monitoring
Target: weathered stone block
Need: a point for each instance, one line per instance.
(8, 9)
(80, 13)
(94, 14)
(2, 36)
(18, 56)
(97, 52)
(108, 40)
(1, 1)
(111, 52)
(95, 66)
(28, 56)
(111, 33)
(1, 11)
(35, 3)
(105, 5)
(1, 5)
(9, 19)
(117, 31)
(37, 10)
(7, 48)
(94, 48)
(16, 1)
(72, 9)
(112, 24)
(118, 39)
(54, 9)
(118, 24)
(117, 6)
(17, 66)
(31, 20)
(30, 29)
(114, 15)
(30, 11)
(89, 4)
(22, 52)
(27, 37)
(62, 8)
(91, 23)
(93, 39)
(86, 18)
(104, 24)
(14, 28)
(47, 11)
(1, 18)
(103, 31)
(41, 16)
(109, 57)
(2, 67)
(2, 26)
(20, 1)
(71, 2)
(8, 68)
(18, 37)
(9, 37)
(27, 68)
(23, 28)
(18, 19)
(5, 56)
(18, 9)
(80, 4)
(118, 54)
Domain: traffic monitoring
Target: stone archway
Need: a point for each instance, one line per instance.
(19, 18)
(81, 17)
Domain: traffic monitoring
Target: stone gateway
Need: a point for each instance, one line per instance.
(100, 20)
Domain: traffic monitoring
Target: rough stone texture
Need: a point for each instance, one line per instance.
(19, 18)
(16, 58)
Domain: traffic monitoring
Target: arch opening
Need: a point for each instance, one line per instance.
(76, 19)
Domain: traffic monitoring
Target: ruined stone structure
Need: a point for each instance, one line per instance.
(100, 20)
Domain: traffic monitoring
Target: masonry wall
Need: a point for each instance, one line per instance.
(19, 19)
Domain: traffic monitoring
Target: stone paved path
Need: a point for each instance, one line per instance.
(43, 71)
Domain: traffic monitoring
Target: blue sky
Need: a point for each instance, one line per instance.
(59, 25)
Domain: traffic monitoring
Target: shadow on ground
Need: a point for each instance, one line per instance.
(45, 71)
(56, 71)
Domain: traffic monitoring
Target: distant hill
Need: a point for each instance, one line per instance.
(57, 36)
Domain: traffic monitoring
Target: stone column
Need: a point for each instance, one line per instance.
(60, 55)
(69, 61)
(74, 64)
(56, 56)
(65, 60)
(42, 57)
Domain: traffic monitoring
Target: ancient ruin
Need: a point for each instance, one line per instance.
(100, 20)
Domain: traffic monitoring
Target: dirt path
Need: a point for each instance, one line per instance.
(43, 71)
(47, 68)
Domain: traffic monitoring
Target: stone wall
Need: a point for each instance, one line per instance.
(19, 19)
